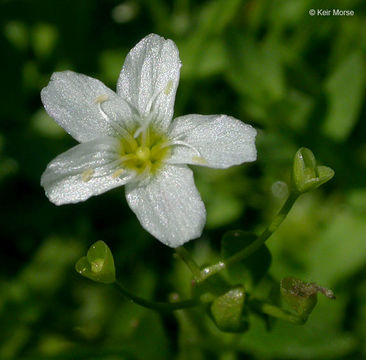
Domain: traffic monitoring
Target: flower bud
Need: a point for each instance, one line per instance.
(98, 264)
(307, 175)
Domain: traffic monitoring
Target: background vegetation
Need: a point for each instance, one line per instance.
(300, 80)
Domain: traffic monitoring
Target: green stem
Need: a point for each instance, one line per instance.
(276, 312)
(187, 258)
(159, 306)
(254, 246)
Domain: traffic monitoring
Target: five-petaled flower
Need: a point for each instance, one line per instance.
(129, 138)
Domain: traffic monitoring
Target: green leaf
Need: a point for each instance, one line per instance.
(214, 17)
(98, 264)
(149, 341)
(24, 302)
(339, 251)
(344, 90)
(212, 61)
(255, 70)
(252, 269)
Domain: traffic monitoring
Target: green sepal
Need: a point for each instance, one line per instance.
(307, 175)
(98, 264)
(227, 310)
(300, 296)
(252, 269)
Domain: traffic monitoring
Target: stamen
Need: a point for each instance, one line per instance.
(146, 171)
(150, 107)
(127, 157)
(151, 104)
(87, 174)
(117, 173)
(183, 143)
(145, 141)
(199, 159)
(146, 157)
(141, 130)
(99, 100)
(130, 140)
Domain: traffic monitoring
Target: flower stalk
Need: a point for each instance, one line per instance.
(187, 258)
(276, 312)
(261, 239)
(153, 305)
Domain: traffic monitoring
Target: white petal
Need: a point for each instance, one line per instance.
(149, 78)
(217, 141)
(83, 171)
(169, 207)
(72, 100)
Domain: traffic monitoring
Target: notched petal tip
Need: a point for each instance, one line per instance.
(57, 76)
(149, 79)
(58, 199)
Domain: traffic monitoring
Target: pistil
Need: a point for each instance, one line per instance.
(143, 153)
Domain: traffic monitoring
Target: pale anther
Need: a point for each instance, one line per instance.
(199, 160)
(87, 174)
(168, 87)
(101, 99)
(117, 173)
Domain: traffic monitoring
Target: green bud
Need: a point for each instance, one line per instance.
(307, 175)
(227, 310)
(302, 296)
(98, 264)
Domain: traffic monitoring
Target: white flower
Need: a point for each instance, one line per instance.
(128, 138)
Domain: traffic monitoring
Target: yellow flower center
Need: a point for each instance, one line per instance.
(143, 151)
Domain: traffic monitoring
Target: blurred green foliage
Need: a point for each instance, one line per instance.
(299, 79)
